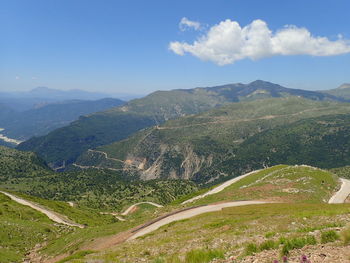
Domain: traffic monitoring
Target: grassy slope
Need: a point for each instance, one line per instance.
(229, 231)
(233, 228)
(281, 183)
(210, 138)
(21, 228)
(208, 225)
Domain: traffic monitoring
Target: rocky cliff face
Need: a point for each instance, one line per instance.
(161, 161)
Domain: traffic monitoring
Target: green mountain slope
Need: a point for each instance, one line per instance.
(280, 183)
(202, 147)
(64, 145)
(25, 172)
(17, 164)
(323, 142)
(21, 228)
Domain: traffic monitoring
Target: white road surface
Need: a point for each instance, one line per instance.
(344, 191)
(50, 214)
(188, 214)
(220, 187)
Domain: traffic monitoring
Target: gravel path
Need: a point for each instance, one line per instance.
(344, 191)
(220, 187)
(188, 214)
(50, 214)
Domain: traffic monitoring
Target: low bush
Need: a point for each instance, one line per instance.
(329, 236)
(295, 243)
(250, 249)
(267, 245)
(203, 255)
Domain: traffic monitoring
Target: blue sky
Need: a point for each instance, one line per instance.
(123, 46)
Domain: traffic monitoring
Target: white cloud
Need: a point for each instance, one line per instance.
(228, 42)
(17, 77)
(185, 24)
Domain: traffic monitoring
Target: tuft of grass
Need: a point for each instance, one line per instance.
(77, 255)
(203, 255)
(270, 234)
(329, 236)
(296, 243)
(345, 236)
(251, 249)
(171, 259)
(267, 245)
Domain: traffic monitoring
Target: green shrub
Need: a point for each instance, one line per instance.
(295, 243)
(345, 235)
(329, 236)
(270, 234)
(203, 255)
(267, 245)
(251, 248)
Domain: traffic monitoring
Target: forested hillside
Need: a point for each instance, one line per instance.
(214, 144)
(63, 146)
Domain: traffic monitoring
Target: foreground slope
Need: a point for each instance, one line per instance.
(222, 142)
(228, 232)
(239, 232)
(64, 145)
(21, 229)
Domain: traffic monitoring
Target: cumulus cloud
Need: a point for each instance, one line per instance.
(185, 24)
(228, 42)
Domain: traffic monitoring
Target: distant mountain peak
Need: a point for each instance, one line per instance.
(344, 86)
(261, 83)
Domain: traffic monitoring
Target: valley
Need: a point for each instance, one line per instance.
(8, 140)
(221, 165)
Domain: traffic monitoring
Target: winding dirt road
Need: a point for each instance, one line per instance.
(220, 187)
(344, 191)
(130, 208)
(188, 213)
(339, 197)
(50, 214)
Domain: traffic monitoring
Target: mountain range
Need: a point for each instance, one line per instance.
(63, 146)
